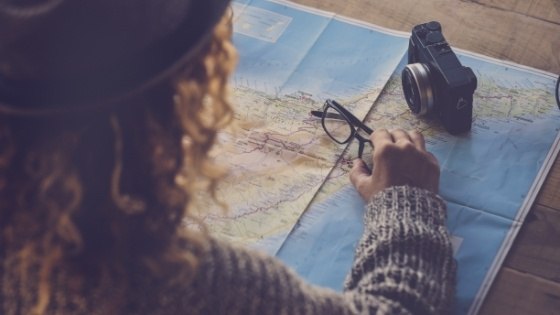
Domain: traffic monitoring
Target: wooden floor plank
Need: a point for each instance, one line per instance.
(545, 10)
(537, 247)
(549, 195)
(517, 293)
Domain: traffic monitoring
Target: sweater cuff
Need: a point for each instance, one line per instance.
(406, 204)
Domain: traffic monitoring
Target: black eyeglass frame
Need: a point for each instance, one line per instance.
(353, 122)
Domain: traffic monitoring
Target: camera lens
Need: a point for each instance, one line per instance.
(418, 88)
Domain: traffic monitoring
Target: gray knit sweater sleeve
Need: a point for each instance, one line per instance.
(403, 265)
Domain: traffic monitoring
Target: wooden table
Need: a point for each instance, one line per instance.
(525, 32)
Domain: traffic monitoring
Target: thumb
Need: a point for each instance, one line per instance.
(359, 173)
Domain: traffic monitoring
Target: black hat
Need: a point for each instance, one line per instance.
(59, 55)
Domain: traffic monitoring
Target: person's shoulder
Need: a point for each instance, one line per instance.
(218, 270)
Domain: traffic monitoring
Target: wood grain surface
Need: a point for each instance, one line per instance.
(522, 31)
(537, 296)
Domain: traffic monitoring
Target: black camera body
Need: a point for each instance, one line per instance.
(434, 81)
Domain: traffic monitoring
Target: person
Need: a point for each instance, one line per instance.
(108, 110)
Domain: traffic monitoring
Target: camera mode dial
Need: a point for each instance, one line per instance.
(433, 26)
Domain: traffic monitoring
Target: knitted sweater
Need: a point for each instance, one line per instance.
(403, 265)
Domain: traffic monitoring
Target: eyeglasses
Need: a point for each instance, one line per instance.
(342, 126)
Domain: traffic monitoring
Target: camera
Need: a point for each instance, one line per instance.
(434, 81)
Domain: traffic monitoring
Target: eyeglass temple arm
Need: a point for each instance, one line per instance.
(318, 113)
(360, 149)
(353, 119)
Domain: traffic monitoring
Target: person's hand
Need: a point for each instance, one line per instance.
(399, 158)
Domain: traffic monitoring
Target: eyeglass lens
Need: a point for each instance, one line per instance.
(336, 126)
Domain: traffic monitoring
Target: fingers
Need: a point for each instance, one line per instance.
(400, 135)
(358, 172)
(433, 159)
(418, 140)
(360, 177)
(383, 136)
(400, 158)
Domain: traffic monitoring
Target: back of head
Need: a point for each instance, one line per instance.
(58, 54)
(107, 111)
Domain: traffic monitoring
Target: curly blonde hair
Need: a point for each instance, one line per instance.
(94, 194)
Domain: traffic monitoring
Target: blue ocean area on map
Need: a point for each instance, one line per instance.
(301, 58)
(260, 58)
(326, 77)
(489, 176)
(471, 177)
(339, 223)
